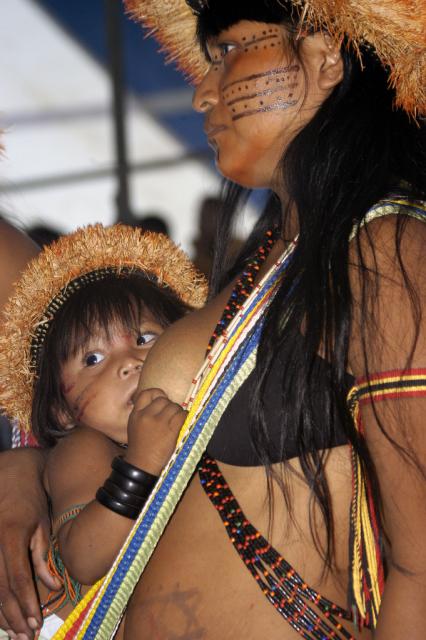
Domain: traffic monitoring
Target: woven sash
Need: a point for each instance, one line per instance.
(227, 366)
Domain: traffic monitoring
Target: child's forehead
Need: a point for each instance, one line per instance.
(117, 326)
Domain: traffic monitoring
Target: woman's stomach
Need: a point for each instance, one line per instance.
(196, 586)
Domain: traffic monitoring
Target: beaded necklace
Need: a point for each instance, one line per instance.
(244, 286)
(280, 583)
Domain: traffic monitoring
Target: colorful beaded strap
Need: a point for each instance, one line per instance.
(279, 582)
(367, 579)
(227, 366)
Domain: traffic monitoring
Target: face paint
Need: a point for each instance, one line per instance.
(262, 92)
(253, 98)
(67, 387)
(81, 407)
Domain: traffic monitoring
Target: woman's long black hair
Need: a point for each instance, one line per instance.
(354, 151)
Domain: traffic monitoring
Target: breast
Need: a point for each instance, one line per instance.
(179, 352)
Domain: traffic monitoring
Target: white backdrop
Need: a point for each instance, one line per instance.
(46, 80)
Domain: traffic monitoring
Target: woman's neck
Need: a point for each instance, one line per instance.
(289, 217)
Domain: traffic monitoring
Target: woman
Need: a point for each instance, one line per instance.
(288, 108)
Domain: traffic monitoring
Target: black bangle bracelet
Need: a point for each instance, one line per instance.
(127, 489)
(123, 496)
(103, 497)
(129, 485)
(133, 473)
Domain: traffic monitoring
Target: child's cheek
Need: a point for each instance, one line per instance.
(83, 405)
(67, 386)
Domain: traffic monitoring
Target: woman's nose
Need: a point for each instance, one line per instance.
(129, 367)
(206, 95)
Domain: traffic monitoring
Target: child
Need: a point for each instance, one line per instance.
(76, 333)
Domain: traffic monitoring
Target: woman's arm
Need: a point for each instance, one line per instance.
(23, 522)
(79, 465)
(391, 335)
(23, 507)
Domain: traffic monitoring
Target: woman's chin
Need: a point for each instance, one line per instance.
(240, 175)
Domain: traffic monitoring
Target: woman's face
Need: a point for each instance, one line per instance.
(255, 97)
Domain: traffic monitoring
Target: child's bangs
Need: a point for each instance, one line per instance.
(100, 307)
(97, 309)
(101, 313)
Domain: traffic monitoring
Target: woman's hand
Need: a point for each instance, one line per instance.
(153, 428)
(24, 526)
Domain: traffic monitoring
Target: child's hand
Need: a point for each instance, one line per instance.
(153, 428)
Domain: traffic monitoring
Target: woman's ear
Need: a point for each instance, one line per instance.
(322, 56)
(331, 70)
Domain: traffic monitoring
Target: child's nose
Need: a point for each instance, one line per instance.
(129, 367)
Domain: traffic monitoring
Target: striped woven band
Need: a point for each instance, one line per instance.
(409, 383)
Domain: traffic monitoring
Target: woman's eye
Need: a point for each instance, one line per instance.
(145, 338)
(93, 358)
(225, 48)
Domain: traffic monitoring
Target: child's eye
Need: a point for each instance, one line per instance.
(145, 338)
(93, 358)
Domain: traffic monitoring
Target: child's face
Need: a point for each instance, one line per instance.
(100, 379)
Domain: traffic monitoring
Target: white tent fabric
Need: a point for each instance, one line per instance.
(54, 109)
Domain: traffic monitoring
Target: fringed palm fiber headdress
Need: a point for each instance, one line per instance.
(396, 29)
(90, 254)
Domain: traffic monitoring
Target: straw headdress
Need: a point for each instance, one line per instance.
(395, 28)
(70, 263)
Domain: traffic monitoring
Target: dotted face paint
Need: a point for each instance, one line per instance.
(251, 97)
(271, 90)
(262, 92)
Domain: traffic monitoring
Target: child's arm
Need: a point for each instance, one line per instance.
(80, 464)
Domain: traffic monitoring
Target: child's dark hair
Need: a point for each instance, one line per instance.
(96, 307)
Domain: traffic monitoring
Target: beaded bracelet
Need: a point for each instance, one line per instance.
(127, 489)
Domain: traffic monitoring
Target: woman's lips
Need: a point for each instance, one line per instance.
(212, 130)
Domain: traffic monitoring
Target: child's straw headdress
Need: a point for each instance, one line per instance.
(395, 28)
(49, 280)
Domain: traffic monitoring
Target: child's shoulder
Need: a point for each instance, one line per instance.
(79, 439)
(81, 450)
